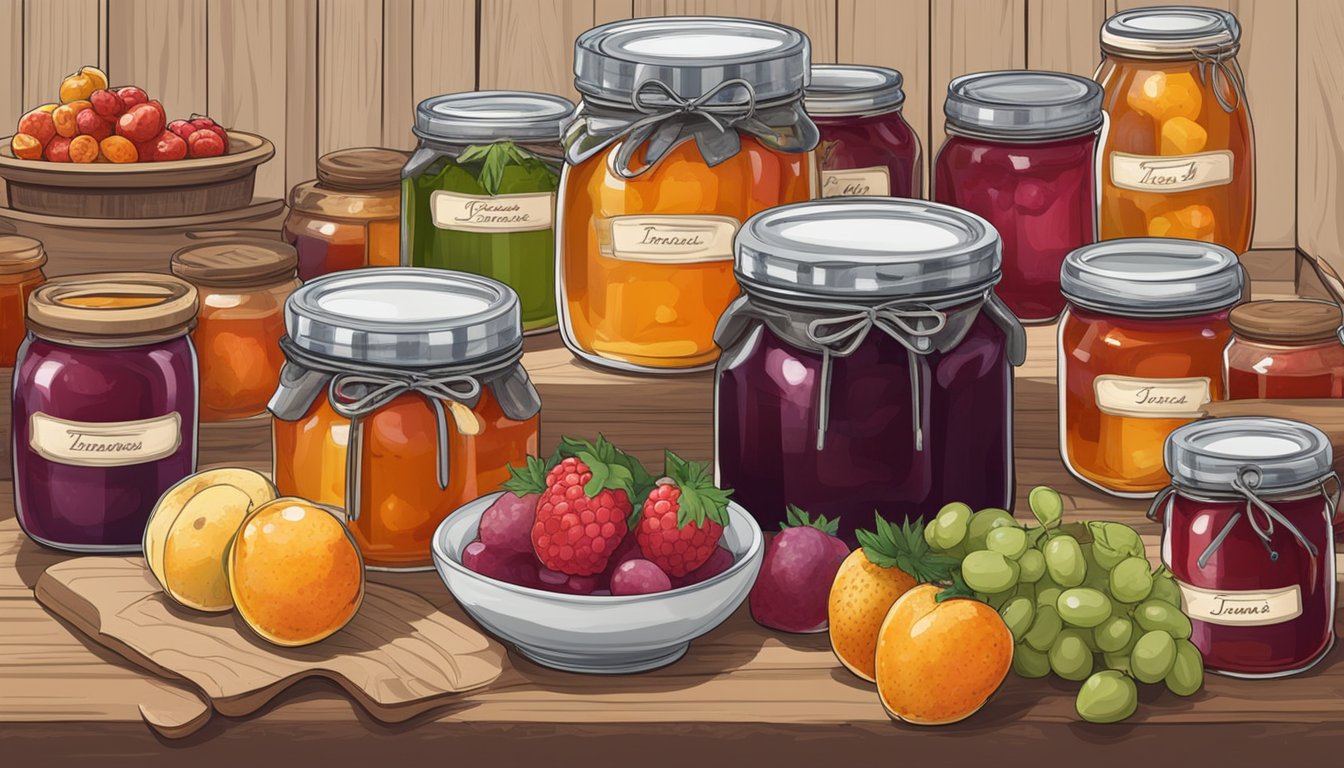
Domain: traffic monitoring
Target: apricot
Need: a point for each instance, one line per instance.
(1193, 222)
(119, 149)
(48, 108)
(82, 84)
(90, 123)
(141, 122)
(83, 149)
(57, 150)
(65, 118)
(1163, 95)
(26, 147)
(1182, 136)
(107, 103)
(39, 125)
(861, 595)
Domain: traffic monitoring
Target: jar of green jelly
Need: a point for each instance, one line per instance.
(479, 193)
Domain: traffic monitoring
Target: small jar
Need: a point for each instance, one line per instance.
(242, 285)
(1021, 152)
(1285, 349)
(104, 407)
(402, 398)
(1140, 353)
(21, 260)
(350, 215)
(1246, 532)
(480, 192)
(868, 364)
(867, 147)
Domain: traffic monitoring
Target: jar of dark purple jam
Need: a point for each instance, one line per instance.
(867, 147)
(105, 407)
(868, 365)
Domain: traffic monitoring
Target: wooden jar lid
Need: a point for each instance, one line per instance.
(20, 254)
(365, 168)
(236, 263)
(1300, 321)
(116, 309)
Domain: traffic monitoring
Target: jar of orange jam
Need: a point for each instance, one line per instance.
(21, 260)
(350, 215)
(403, 397)
(688, 126)
(1178, 160)
(1140, 353)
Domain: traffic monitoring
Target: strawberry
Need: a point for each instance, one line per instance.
(683, 517)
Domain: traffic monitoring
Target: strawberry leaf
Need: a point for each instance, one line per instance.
(700, 499)
(890, 547)
(795, 517)
(529, 478)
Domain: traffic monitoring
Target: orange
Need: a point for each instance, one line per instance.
(861, 595)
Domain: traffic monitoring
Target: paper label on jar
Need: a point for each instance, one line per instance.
(671, 239)
(1152, 398)
(856, 181)
(1241, 609)
(492, 213)
(110, 444)
(1173, 173)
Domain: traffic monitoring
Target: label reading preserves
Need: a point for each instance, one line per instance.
(490, 214)
(115, 444)
(1176, 173)
(1241, 609)
(671, 239)
(856, 181)
(1151, 398)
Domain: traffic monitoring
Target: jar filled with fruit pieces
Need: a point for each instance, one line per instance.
(21, 260)
(1179, 154)
(1021, 152)
(350, 215)
(1140, 353)
(242, 286)
(1285, 349)
(688, 126)
(867, 147)
(403, 397)
(480, 192)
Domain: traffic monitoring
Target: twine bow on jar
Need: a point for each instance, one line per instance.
(1216, 66)
(658, 111)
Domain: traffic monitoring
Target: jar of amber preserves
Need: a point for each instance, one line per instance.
(688, 126)
(350, 215)
(21, 260)
(1178, 159)
(242, 286)
(1286, 349)
(867, 147)
(1140, 353)
(104, 407)
(402, 398)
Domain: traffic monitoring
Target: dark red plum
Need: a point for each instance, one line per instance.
(507, 523)
(791, 591)
(517, 568)
(639, 577)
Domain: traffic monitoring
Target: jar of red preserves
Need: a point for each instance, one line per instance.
(350, 215)
(1285, 349)
(21, 260)
(1247, 534)
(867, 147)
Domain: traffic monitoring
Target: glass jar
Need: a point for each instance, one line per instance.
(104, 407)
(1140, 353)
(350, 216)
(687, 127)
(1285, 349)
(1179, 154)
(242, 285)
(1021, 152)
(402, 398)
(21, 260)
(1246, 532)
(868, 365)
(866, 146)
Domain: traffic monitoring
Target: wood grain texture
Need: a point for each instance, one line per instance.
(816, 18)
(1062, 35)
(161, 48)
(530, 45)
(1320, 132)
(59, 37)
(443, 43)
(398, 106)
(971, 36)
(12, 104)
(349, 74)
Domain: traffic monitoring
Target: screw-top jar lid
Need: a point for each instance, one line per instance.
(493, 116)
(117, 309)
(236, 263)
(871, 246)
(404, 318)
(20, 254)
(360, 169)
(1300, 321)
(1265, 453)
(1152, 276)
(1170, 30)
(691, 55)
(852, 89)
(1023, 105)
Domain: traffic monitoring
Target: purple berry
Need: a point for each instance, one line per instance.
(718, 562)
(555, 581)
(794, 584)
(639, 577)
(507, 523)
(513, 567)
(627, 549)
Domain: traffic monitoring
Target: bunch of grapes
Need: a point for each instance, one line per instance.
(1080, 600)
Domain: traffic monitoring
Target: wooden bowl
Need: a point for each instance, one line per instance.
(136, 190)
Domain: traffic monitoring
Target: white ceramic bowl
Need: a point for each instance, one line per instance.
(597, 634)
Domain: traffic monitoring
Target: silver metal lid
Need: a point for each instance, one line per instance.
(1152, 276)
(493, 115)
(872, 246)
(853, 89)
(1170, 30)
(404, 318)
(1265, 453)
(691, 55)
(1023, 105)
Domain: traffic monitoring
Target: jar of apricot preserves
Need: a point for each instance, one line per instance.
(350, 215)
(402, 398)
(21, 260)
(687, 127)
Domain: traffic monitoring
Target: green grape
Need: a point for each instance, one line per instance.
(1044, 629)
(1009, 541)
(1113, 634)
(997, 600)
(1031, 566)
(1165, 588)
(1187, 672)
(1083, 607)
(1064, 561)
(983, 522)
(1091, 641)
(954, 513)
(1029, 662)
(1097, 578)
(991, 572)
(1153, 615)
(1153, 656)
(948, 528)
(1131, 581)
(1070, 658)
(1018, 614)
(929, 537)
(1046, 505)
(1118, 661)
(1113, 542)
(1047, 593)
(1107, 697)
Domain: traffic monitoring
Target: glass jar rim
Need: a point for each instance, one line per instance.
(1267, 454)
(1294, 322)
(20, 254)
(236, 262)
(1023, 105)
(853, 90)
(476, 116)
(83, 310)
(1173, 31)
(1152, 277)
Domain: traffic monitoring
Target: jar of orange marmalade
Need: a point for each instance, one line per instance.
(1140, 353)
(1178, 158)
(688, 126)
(21, 260)
(403, 397)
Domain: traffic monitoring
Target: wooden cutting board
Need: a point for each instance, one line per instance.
(399, 657)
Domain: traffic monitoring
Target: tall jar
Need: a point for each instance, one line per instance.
(21, 260)
(104, 407)
(1285, 349)
(1021, 152)
(688, 126)
(480, 192)
(868, 364)
(867, 147)
(403, 397)
(1140, 354)
(349, 216)
(1179, 155)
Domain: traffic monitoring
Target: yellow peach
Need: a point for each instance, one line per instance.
(193, 553)
(1183, 136)
(82, 84)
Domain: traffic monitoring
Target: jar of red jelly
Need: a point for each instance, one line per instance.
(868, 365)
(1021, 152)
(867, 147)
(1247, 534)
(1285, 349)
(104, 407)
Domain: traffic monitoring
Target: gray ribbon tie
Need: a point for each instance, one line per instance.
(722, 116)
(1213, 67)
